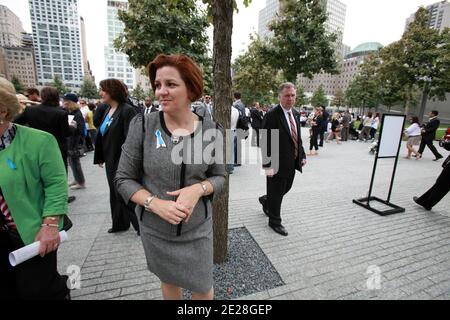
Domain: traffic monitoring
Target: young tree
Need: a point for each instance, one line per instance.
(301, 44)
(253, 77)
(319, 97)
(17, 84)
(89, 89)
(339, 98)
(139, 93)
(60, 86)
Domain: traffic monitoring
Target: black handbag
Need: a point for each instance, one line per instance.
(67, 225)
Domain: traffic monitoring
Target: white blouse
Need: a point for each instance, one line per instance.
(413, 130)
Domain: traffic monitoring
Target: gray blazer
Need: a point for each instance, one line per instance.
(144, 165)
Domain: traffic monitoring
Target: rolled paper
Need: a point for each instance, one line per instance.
(32, 250)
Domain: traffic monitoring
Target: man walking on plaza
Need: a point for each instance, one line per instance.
(428, 136)
(346, 119)
(325, 119)
(282, 122)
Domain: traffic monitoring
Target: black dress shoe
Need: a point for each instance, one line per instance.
(71, 199)
(416, 200)
(438, 158)
(263, 201)
(279, 229)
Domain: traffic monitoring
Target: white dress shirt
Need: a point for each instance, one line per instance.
(234, 118)
(286, 114)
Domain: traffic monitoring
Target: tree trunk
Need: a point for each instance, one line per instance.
(223, 28)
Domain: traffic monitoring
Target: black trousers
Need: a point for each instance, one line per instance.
(431, 146)
(321, 136)
(277, 188)
(35, 279)
(121, 213)
(438, 191)
(313, 140)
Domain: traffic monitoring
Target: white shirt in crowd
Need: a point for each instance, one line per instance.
(84, 111)
(413, 130)
(234, 118)
(286, 114)
(375, 123)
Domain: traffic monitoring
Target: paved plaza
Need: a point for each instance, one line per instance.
(335, 249)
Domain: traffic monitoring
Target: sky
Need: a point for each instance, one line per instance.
(366, 21)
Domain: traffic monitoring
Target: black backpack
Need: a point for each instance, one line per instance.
(242, 122)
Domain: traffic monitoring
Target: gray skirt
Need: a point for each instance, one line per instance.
(414, 141)
(185, 261)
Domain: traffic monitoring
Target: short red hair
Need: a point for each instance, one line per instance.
(189, 71)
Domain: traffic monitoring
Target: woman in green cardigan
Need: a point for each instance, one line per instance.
(33, 203)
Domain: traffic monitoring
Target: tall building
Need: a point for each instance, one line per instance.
(10, 28)
(266, 15)
(117, 64)
(440, 15)
(19, 62)
(56, 37)
(86, 65)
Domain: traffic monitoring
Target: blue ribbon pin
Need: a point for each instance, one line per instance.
(159, 140)
(11, 164)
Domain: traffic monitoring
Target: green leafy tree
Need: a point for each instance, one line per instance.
(59, 85)
(339, 98)
(17, 84)
(153, 27)
(253, 77)
(302, 99)
(301, 44)
(89, 89)
(139, 93)
(319, 97)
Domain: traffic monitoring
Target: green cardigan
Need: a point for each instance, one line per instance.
(33, 180)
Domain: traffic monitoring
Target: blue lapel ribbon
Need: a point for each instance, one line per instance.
(159, 140)
(11, 164)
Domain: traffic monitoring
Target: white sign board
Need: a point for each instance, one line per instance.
(390, 136)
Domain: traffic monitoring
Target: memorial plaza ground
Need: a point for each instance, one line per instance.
(335, 249)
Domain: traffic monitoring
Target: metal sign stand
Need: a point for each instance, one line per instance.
(365, 202)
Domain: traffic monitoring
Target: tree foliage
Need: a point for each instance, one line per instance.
(319, 97)
(17, 84)
(253, 77)
(339, 98)
(89, 89)
(60, 86)
(154, 27)
(138, 93)
(301, 44)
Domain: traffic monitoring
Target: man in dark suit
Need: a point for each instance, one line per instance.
(51, 118)
(283, 130)
(149, 107)
(48, 117)
(257, 119)
(428, 136)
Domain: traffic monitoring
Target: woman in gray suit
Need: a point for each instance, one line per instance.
(171, 185)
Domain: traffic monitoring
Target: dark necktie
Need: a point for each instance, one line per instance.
(293, 134)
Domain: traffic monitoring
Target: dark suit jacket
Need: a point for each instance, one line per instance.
(75, 138)
(53, 120)
(275, 120)
(430, 130)
(108, 147)
(257, 118)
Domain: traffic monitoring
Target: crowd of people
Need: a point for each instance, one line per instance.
(168, 202)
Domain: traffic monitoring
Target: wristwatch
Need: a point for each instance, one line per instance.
(148, 201)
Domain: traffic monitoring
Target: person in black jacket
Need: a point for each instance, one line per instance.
(75, 148)
(48, 117)
(428, 136)
(111, 136)
(325, 120)
(282, 122)
(316, 128)
(257, 119)
(440, 189)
